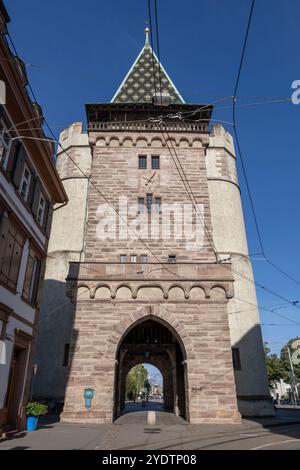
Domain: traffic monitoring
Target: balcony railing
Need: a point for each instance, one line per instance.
(149, 126)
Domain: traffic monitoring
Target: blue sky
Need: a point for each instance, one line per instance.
(154, 374)
(80, 52)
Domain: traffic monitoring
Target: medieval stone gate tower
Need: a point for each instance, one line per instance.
(140, 289)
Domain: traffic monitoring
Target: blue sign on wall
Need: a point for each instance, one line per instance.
(88, 395)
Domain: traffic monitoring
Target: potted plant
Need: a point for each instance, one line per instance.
(33, 411)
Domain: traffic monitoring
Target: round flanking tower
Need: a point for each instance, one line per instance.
(230, 239)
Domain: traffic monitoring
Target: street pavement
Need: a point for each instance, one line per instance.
(131, 432)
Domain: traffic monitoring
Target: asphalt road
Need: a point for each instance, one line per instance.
(131, 432)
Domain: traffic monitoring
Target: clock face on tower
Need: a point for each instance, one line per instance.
(150, 181)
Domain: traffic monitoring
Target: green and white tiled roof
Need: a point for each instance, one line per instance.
(140, 84)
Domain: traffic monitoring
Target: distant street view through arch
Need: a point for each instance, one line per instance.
(144, 389)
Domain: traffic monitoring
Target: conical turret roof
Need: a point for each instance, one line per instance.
(146, 78)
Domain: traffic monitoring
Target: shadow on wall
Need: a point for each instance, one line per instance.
(250, 375)
(53, 356)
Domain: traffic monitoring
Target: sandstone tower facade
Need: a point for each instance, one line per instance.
(141, 286)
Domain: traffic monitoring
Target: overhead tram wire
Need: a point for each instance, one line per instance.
(270, 291)
(240, 150)
(152, 45)
(235, 129)
(96, 187)
(282, 271)
(190, 193)
(231, 268)
(178, 164)
(111, 205)
(157, 44)
(145, 244)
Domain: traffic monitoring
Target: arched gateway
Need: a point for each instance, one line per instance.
(154, 341)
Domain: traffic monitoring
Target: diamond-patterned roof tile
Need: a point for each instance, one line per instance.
(144, 82)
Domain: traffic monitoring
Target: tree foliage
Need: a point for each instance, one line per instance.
(279, 367)
(274, 367)
(136, 380)
(294, 347)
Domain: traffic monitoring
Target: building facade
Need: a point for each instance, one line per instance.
(156, 262)
(29, 187)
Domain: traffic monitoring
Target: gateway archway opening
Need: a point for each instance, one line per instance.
(144, 389)
(153, 342)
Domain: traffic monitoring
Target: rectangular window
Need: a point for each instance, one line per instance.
(5, 141)
(41, 210)
(149, 203)
(25, 182)
(172, 259)
(123, 258)
(236, 359)
(133, 258)
(141, 205)
(158, 205)
(144, 259)
(66, 355)
(155, 162)
(142, 162)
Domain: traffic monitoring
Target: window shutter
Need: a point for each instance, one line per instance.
(46, 212)
(31, 190)
(36, 197)
(4, 227)
(19, 166)
(36, 282)
(48, 220)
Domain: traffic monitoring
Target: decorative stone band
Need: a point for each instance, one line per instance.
(151, 282)
(107, 137)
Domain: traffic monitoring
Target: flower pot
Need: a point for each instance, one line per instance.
(31, 423)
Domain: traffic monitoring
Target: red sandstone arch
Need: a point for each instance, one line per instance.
(158, 313)
(175, 372)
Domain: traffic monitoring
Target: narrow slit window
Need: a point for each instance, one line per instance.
(66, 355)
(236, 359)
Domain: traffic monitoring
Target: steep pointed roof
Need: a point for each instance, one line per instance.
(141, 84)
